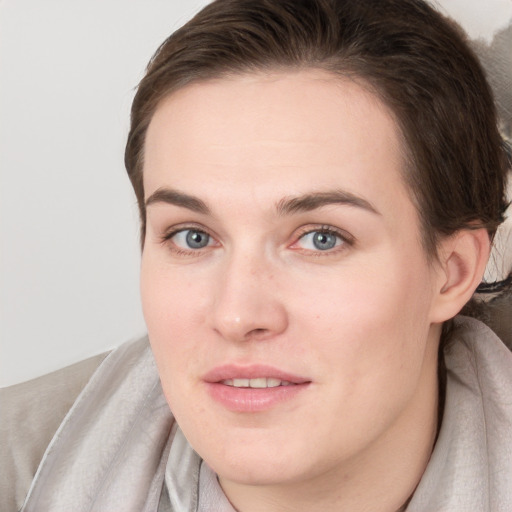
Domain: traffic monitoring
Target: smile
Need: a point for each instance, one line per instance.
(254, 388)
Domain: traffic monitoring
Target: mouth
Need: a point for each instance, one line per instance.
(255, 388)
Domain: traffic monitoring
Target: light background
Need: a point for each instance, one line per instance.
(69, 252)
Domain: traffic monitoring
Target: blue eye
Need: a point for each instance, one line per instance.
(320, 240)
(191, 239)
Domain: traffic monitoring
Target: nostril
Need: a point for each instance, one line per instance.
(256, 333)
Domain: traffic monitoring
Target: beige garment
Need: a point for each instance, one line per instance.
(30, 414)
(109, 454)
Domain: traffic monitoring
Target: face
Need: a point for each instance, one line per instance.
(287, 296)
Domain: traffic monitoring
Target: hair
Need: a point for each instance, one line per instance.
(413, 58)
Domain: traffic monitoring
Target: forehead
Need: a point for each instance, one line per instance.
(272, 135)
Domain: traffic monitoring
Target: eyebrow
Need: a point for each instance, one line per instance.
(177, 198)
(286, 206)
(312, 201)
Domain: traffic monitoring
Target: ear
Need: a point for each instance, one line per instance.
(462, 260)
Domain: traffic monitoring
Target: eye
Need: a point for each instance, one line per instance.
(321, 240)
(191, 239)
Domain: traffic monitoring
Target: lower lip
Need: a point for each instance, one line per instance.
(253, 399)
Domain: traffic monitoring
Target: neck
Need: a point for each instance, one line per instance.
(382, 479)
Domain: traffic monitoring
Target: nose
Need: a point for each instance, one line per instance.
(247, 304)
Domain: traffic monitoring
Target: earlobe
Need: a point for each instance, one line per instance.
(462, 261)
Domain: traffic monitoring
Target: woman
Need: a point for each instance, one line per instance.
(319, 185)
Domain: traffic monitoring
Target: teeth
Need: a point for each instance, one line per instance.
(260, 382)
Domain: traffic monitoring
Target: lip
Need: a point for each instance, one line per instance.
(250, 400)
(253, 371)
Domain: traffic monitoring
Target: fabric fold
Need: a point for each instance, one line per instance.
(107, 454)
(471, 465)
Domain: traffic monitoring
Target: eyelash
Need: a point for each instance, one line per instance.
(346, 239)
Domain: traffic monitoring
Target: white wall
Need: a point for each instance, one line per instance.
(68, 221)
(480, 18)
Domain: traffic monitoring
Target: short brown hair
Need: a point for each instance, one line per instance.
(416, 60)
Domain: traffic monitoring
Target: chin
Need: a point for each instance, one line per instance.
(258, 457)
(257, 471)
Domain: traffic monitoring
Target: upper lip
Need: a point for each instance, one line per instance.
(253, 371)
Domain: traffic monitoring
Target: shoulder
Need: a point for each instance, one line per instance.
(117, 433)
(31, 414)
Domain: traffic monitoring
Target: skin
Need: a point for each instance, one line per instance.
(360, 321)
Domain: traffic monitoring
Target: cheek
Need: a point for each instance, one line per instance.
(171, 308)
(385, 292)
(372, 345)
(169, 296)
(372, 320)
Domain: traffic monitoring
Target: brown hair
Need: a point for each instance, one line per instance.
(413, 58)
